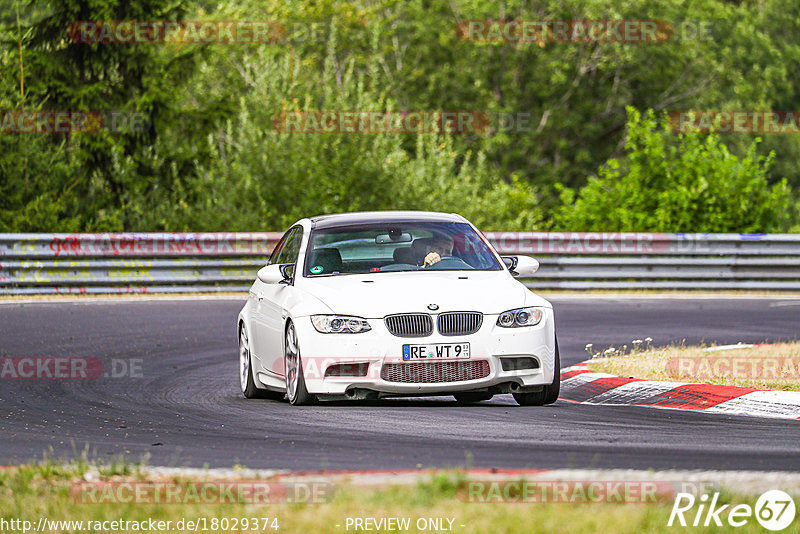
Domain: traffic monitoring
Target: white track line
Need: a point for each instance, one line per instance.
(762, 403)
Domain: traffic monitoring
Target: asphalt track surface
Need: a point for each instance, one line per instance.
(186, 409)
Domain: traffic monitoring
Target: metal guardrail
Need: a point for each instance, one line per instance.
(628, 260)
(131, 262)
(210, 262)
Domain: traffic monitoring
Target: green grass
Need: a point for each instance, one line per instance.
(31, 491)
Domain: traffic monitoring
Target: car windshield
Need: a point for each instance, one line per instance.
(391, 247)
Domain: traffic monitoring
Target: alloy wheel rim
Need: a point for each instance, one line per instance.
(292, 358)
(244, 359)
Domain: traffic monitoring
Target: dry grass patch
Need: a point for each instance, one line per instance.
(774, 366)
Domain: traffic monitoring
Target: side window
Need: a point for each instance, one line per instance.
(292, 249)
(279, 247)
(289, 247)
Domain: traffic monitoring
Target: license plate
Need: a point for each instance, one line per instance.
(435, 351)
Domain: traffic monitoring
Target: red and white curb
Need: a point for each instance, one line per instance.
(581, 385)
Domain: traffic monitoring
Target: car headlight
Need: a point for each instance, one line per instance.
(339, 324)
(520, 317)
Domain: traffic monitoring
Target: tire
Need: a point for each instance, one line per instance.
(296, 390)
(469, 397)
(248, 385)
(549, 394)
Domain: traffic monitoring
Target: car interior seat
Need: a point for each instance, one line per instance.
(419, 249)
(404, 255)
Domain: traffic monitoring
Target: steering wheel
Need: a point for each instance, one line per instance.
(450, 262)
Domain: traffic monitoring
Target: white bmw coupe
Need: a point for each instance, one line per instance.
(368, 305)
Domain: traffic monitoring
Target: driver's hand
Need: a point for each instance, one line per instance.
(431, 258)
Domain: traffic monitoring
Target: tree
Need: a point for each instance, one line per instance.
(110, 174)
(677, 183)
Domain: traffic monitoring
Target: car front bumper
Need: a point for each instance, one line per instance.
(378, 349)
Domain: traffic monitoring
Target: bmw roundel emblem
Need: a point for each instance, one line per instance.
(433, 307)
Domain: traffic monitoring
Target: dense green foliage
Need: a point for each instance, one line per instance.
(689, 184)
(211, 158)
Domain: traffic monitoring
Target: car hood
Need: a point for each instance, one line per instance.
(377, 295)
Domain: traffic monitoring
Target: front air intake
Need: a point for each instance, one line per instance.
(519, 364)
(435, 372)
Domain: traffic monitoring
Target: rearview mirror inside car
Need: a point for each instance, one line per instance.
(393, 237)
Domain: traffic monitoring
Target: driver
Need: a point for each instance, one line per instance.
(440, 247)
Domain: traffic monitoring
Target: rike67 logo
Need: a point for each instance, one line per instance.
(774, 510)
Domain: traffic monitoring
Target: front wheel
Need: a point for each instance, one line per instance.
(549, 394)
(296, 390)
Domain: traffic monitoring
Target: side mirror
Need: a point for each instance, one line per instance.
(276, 274)
(521, 266)
(510, 262)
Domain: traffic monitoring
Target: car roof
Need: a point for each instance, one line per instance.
(360, 217)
